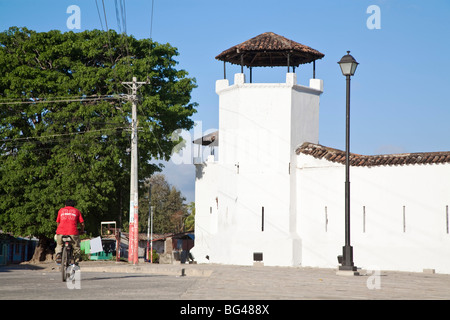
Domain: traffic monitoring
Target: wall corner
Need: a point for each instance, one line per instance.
(316, 84)
(221, 84)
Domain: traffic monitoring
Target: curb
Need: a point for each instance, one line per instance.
(175, 270)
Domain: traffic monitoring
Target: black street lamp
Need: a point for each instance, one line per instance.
(348, 67)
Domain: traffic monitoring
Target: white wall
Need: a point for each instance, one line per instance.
(380, 237)
(207, 177)
(398, 213)
(260, 125)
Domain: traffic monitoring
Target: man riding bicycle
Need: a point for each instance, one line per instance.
(68, 219)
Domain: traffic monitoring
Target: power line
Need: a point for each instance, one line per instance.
(109, 46)
(60, 135)
(62, 100)
(117, 16)
(124, 15)
(151, 21)
(151, 40)
(104, 14)
(8, 149)
(149, 53)
(99, 16)
(59, 97)
(121, 24)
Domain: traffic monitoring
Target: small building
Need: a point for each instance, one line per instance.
(16, 249)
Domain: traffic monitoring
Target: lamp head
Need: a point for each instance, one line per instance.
(348, 65)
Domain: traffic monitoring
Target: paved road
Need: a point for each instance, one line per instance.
(43, 285)
(110, 280)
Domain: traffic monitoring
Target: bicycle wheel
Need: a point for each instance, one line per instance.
(64, 264)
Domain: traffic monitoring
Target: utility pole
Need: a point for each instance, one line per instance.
(151, 243)
(134, 202)
(150, 227)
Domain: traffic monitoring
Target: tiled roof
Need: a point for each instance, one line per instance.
(357, 160)
(270, 50)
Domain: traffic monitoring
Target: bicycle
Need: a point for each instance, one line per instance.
(67, 259)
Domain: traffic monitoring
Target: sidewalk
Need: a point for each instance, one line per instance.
(286, 283)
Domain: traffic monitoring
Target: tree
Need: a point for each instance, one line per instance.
(190, 220)
(64, 132)
(169, 209)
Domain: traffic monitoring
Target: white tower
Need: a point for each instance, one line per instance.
(245, 202)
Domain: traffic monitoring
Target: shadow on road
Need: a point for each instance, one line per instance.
(109, 277)
(11, 267)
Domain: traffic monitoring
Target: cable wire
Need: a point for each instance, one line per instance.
(58, 101)
(60, 135)
(99, 16)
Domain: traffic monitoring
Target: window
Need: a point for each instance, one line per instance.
(446, 219)
(262, 218)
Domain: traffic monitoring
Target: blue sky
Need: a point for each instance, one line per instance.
(399, 93)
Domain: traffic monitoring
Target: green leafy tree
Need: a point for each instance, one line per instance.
(168, 206)
(64, 129)
(190, 220)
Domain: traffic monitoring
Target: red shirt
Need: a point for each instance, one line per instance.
(68, 219)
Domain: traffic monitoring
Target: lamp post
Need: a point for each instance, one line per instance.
(348, 67)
